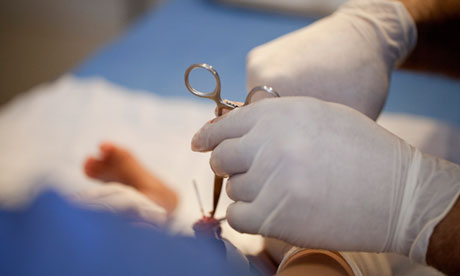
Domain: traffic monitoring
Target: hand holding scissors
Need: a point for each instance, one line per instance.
(221, 104)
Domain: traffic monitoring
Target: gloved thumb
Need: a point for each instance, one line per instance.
(241, 217)
(233, 124)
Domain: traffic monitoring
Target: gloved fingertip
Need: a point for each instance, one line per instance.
(237, 218)
(199, 142)
(196, 143)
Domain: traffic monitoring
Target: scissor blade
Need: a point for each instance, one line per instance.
(218, 181)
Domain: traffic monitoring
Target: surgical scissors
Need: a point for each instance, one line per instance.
(221, 104)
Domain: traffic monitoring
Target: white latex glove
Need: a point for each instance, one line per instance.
(345, 58)
(322, 175)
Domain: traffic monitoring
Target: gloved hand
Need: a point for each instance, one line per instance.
(322, 175)
(345, 58)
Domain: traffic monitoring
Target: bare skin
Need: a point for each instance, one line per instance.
(438, 22)
(444, 248)
(115, 164)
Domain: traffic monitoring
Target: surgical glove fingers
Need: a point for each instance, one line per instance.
(241, 188)
(244, 218)
(257, 217)
(231, 125)
(246, 186)
(329, 178)
(305, 154)
(230, 157)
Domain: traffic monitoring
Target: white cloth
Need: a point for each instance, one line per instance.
(48, 132)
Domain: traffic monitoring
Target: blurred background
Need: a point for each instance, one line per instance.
(42, 39)
(115, 72)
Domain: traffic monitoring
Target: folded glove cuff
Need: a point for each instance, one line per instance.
(422, 241)
(432, 188)
(394, 26)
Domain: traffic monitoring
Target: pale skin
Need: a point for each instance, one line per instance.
(116, 164)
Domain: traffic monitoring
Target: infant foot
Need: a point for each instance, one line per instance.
(119, 165)
(113, 164)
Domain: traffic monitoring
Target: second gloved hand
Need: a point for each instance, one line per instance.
(345, 58)
(322, 175)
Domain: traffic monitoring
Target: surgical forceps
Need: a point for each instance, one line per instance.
(221, 104)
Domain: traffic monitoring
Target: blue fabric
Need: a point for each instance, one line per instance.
(426, 95)
(154, 54)
(53, 237)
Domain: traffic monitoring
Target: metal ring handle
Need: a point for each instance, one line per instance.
(256, 89)
(215, 94)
